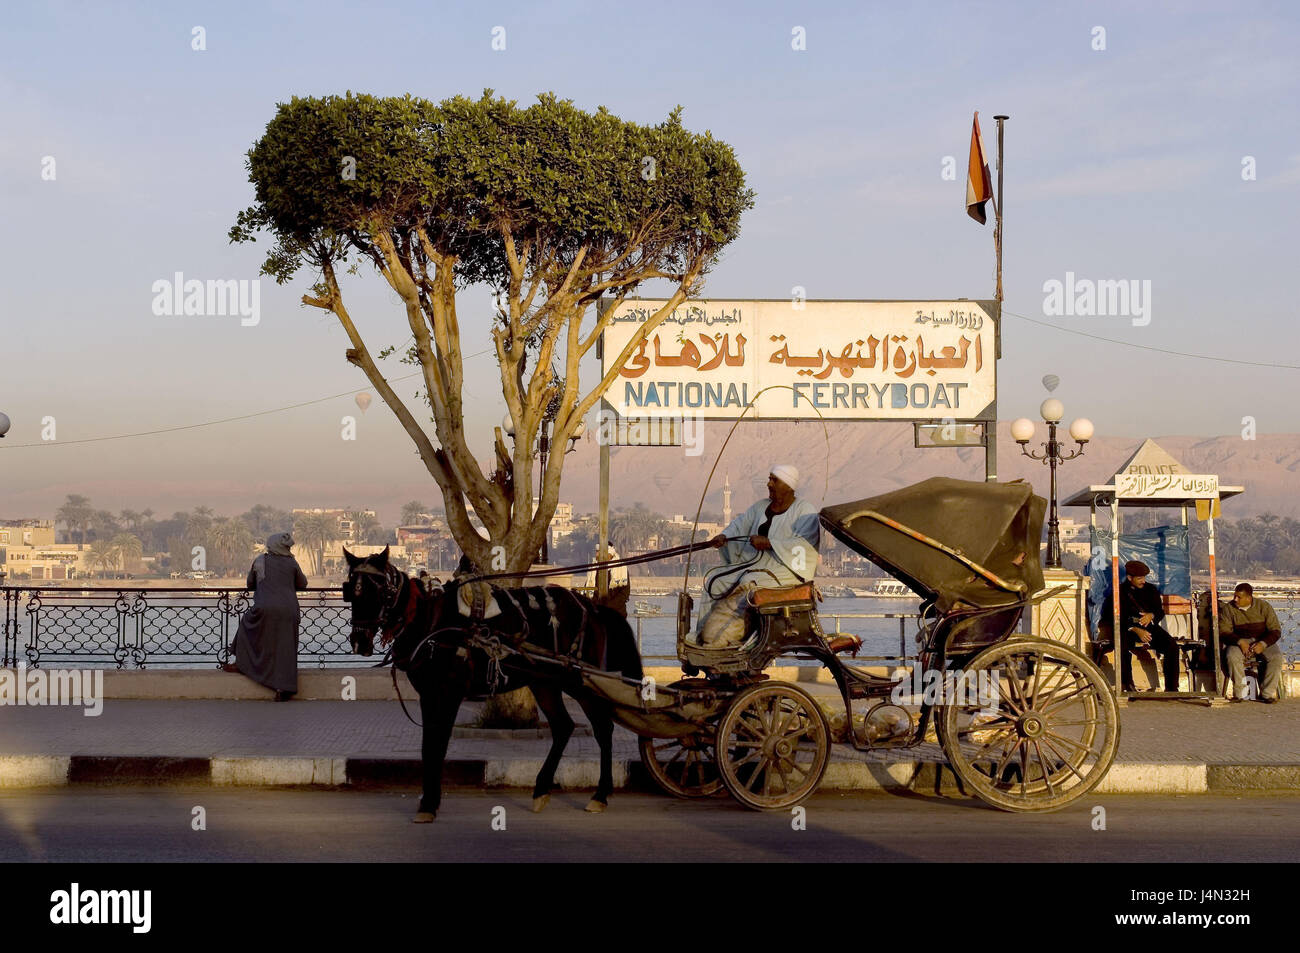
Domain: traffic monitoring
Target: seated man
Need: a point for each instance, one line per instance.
(1249, 627)
(1140, 614)
(783, 534)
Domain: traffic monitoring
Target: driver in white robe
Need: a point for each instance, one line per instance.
(782, 534)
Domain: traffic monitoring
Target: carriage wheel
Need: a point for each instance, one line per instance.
(1047, 736)
(684, 767)
(773, 746)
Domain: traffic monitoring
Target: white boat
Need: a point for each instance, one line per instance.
(890, 589)
(644, 608)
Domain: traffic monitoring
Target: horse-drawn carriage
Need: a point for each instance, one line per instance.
(1027, 724)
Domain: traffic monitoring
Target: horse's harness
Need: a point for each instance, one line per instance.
(389, 581)
(477, 634)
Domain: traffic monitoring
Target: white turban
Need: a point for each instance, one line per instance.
(787, 474)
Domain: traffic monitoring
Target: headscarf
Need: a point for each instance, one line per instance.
(278, 544)
(787, 474)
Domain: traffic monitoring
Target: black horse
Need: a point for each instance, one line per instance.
(449, 657)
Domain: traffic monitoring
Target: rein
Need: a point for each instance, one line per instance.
(670, 553)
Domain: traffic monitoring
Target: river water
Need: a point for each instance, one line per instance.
(86, 635)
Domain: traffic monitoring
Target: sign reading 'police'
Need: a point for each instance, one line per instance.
(851, 360)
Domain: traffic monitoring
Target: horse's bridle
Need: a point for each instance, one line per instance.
(389, 583)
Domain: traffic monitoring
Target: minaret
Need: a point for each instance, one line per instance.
(726, 501)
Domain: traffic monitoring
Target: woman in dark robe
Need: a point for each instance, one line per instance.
(266, 644)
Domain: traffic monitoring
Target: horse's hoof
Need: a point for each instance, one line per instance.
(539, 803)
(595, 807)
(424, 817)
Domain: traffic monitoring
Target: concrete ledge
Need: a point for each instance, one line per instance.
(367, 684)
(279, 771)
(33, 770)
(372, 684)
(572, 773)
(314, 684)
(1254, 777)
(922, 777)
(1133, 778)
(138, 770)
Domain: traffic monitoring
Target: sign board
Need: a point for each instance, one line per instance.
(845, 360)
(948, 434)
(1154, 486)
(640, 431)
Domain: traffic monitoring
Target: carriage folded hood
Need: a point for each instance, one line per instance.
(952, 540)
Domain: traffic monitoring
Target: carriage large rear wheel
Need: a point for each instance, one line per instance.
(684, 767)
(1044, 732)
(773, 746)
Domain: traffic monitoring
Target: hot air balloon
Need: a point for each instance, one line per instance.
(663, 481)
(1050, 382)
(363, 401)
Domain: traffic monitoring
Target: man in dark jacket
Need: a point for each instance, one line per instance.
(1248, 627)
(1141, 611)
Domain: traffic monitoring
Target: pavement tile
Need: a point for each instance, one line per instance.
(1151, 732)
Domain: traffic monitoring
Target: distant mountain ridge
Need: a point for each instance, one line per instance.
(864, 460)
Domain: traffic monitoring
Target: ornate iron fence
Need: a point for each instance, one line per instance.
(133, 628)
(192, 627)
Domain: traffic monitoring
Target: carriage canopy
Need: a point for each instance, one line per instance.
(950, 540)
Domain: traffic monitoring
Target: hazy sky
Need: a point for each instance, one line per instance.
(1122, 163)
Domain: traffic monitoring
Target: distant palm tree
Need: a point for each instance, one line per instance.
(232, 545)
(126, 549)
(102, 557)
(77, 514)
(315, 530)
(363, 524)
(411, 512)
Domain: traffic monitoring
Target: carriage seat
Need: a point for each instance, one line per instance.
(788, 595)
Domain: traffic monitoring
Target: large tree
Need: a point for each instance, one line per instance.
(549, 206)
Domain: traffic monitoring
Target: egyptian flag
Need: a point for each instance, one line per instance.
(979, 184)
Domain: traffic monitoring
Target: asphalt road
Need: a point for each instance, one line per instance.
(155, 824)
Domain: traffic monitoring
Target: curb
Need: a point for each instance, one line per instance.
(41, 771)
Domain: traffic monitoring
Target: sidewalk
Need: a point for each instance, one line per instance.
(1165, 748)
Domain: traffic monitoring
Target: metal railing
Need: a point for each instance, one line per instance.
(133, 628)
(903, 650)
(136, 628)
(1286, 603)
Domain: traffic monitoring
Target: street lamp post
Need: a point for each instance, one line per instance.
(1022, 431)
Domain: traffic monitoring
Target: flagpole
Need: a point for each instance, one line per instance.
(991, 426)
(997, 229)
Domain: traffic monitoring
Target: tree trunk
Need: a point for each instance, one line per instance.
(517, 709)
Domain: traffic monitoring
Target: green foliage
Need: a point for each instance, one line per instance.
(331, 173)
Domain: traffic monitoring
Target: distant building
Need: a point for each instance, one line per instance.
(49, 561)
(1076, 538)
(704, 530)
(347, 531)
(27, 532)
(563, 523)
